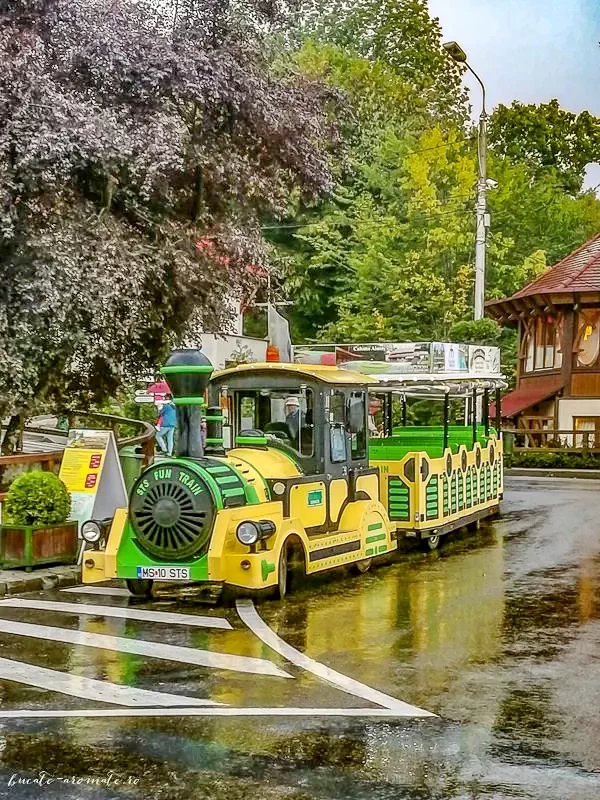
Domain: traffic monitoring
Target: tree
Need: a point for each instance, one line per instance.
(548, 139)
(400, 34)
(389, 255)
(128, 139)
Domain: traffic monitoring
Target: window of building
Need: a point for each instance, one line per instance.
(587, 341)
(590, 431)
(541, 346)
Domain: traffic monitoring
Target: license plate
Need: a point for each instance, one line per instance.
(164, 573)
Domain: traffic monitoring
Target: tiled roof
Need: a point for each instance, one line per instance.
(578, 272)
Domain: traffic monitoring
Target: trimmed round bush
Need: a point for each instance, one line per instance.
(37, 498)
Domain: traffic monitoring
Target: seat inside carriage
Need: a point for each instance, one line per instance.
(429, 439)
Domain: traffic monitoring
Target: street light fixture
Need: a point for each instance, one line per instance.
(483, 220)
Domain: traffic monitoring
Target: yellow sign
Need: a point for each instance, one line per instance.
(92, 473)
(81, 469)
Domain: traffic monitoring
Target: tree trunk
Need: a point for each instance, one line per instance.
(11, 435)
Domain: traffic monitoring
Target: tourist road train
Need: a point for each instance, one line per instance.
(302, 468)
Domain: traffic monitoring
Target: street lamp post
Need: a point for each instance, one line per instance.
(483, 219)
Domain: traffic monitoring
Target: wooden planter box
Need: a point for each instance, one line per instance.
(30, 545)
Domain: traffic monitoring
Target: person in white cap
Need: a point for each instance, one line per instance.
(292, 416)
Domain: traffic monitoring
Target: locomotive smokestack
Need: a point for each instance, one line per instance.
(188, 372)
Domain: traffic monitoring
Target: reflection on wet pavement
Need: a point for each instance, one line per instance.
(498, 634)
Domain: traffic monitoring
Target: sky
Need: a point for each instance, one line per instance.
(529, 50)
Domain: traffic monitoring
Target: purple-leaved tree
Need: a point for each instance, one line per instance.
(127, 136)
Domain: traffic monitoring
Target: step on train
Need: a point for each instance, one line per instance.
(305, 467)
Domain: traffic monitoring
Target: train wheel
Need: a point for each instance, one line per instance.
(282, 581)
(432, 542)
(364, 565)
(292, 566)
(140, 588)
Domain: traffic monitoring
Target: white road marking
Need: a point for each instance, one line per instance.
(117, 611)
(168, 652)
(260, 628)
(223, 711)
(90, 688)
(109, 591)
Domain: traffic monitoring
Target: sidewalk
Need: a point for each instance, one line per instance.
(17, 581)
(535, 472)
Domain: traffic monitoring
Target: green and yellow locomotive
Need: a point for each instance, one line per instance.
(287, 479)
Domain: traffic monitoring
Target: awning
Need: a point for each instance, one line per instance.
(529, 395)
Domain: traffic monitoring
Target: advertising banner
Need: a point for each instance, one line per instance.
(405, 357)
(92, 473)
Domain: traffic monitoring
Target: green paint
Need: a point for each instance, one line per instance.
(370, 551)
(218, 470)
(208, 479)
(215, 418)
(233, 492)
(375, 526)
(315, 498)
(251, 440)
(181, 369)
(224, 480)
(214, 441)
(378, 538)
(266, 569)
(189, 401)
(130, 557)
(382, 548)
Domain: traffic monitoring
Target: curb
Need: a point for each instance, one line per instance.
(53, 578)
(531, 472)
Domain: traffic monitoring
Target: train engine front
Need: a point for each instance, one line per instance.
(197, 517)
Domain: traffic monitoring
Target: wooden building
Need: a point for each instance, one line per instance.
(558, 317)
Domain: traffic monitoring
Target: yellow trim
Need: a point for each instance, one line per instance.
(105, 561)
(271, 463)
(338, 494)
(318, 371)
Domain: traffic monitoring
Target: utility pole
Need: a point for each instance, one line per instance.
(483, 218)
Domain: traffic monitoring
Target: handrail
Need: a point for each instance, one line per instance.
(48, 459)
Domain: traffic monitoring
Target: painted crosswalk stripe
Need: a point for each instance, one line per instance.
(223, 711)
(251, 618)
(108, 591)
(168, 652)
(165, 617)
(90, 688)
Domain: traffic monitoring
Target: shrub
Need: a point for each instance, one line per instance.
(37, 498)
(542, 459)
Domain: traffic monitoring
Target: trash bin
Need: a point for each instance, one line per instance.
(508, 439)
(131, 458)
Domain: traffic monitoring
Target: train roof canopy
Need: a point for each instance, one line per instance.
(317, 372)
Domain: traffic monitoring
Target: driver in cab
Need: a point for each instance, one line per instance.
(292, 417)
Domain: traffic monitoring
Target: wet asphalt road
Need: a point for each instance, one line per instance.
(498, 634)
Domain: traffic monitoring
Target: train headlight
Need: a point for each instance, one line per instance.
(91, 531)
(249, 532)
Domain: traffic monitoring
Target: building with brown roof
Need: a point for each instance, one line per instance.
(558, 317)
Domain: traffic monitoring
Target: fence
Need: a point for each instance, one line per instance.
(18, 462)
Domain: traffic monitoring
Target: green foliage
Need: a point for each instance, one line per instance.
(547, 138)
(390, 255)
(37, 498)
(542, 459)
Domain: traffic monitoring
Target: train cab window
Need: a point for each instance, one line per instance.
(357, 423)
(288, 417)
(337, 427)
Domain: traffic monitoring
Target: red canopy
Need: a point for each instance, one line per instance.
(529, 395)
(159, 389)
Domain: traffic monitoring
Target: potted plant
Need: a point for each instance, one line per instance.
(35, 529)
